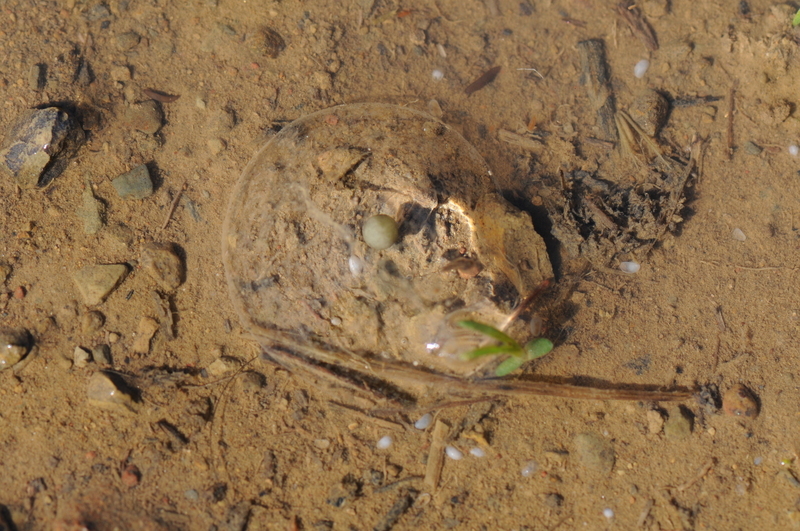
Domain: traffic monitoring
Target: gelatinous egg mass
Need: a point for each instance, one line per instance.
(311, 242)
(380, 232)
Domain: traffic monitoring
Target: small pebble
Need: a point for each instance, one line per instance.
(751, 148)
(356, 265)
(758, 461)
(655, 422)
(144, 333)
(96, 282)
(105, 392)
(162, 263)
(641, 68)
(322, 444)
(145, 116)
(81, 357)
(102, 354)
(608, 513)
(191, 495)
(92, 322)
(595, 452)
(131, 476)
(738, 235)
(135, 184)
(794, 150)
(384, 442)
(453, 453)
(477, 452)
(630, 267)
(738, 401)
(424, 421)
(437, 74)
(14, 345)
(19, 293)
(90, 212)
(679, 425)
(529, 469)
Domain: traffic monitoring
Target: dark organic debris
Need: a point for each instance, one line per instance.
(484, 79)
(157, 95)
(633, 17)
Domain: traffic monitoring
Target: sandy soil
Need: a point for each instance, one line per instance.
(279, 451)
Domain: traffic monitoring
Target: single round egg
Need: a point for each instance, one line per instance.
(380, 232)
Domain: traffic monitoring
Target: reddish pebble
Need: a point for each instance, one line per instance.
(331, 119)
(19, 293)
(91, 455)
(131, 476)
(738, 401)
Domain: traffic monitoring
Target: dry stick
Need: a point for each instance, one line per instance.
(173, 205)
(731, 110)
(697, 477)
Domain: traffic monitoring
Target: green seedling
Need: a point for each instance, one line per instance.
(517, 355)
(796, 19)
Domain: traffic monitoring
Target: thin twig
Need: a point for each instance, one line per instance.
(697, 477)
(173, 205)
(731, 110)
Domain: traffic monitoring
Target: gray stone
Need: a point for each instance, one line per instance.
(38, 147)
(679, 425)
(163, 264)
(90, 212)
(594, 452)
(102, 354)
(127, 40)
(145, 117)
(135, 184)
(96, 282)
(751, 148)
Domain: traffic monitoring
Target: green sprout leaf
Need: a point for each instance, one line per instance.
(488, 330)
(538, 348)
(488, 351)
(796, 19)
(509, 365)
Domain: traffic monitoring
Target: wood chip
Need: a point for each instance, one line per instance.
(484, 79)
(433, 471)
(160, 96)
(524, 142)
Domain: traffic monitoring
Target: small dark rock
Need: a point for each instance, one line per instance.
(135, 184)
(39, 146)
(269, 42)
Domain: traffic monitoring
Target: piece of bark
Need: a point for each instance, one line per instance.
(597, 80)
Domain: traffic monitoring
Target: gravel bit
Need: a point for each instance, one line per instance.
(135, 184)
(95, 283)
